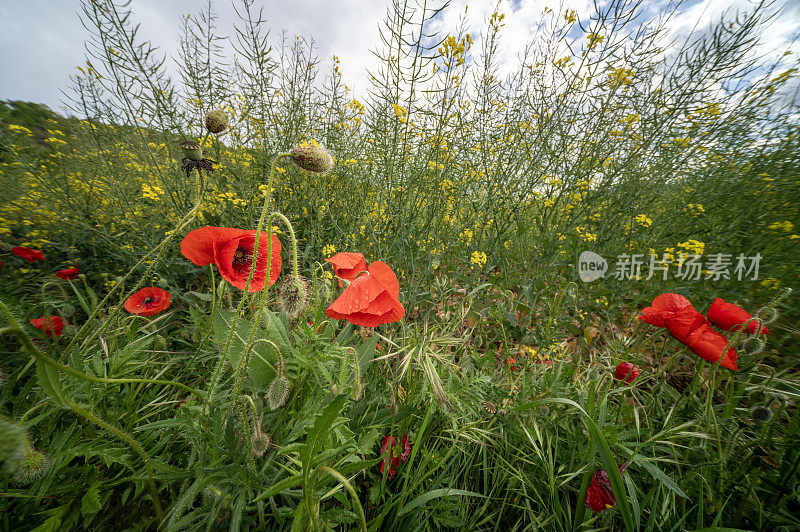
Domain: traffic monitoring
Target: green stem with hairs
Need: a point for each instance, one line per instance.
(216, 376)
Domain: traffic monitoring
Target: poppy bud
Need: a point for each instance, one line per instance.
(626, 371)
(260, 444)
(11, 446)
(753, 345)
(278, 392)
(217, 121)
(761, 414)
(31, 467)
(191, 150)
(311, 157)
(293, 295)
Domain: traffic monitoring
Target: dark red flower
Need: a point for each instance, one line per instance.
(626, 372)
(148, 301)
(53, 326)
(391, 459)
(232, 251)
(69, 273)
(370, 300)
(600, 495)
(512, 363)
(730, 317)
(690, 328)
(347, 265)
(27, 254)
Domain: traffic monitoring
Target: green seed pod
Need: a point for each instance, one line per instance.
(216, 121)
(293, 295)
(278, 392)
(31, 467)
(311, 157)
(191, 150)
(12, 446)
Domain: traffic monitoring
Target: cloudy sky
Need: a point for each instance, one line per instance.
(42, 40)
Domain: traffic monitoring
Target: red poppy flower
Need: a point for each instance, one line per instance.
(512, 363)
(664, 306)
(371, 299)
(69, 273)
(148, 301)
(347, 265)
(600, 495)
(730, 317)
(626, 372)
(394, 460)
(232, 251)
(27, 254)
(690, 328)
(53, 325)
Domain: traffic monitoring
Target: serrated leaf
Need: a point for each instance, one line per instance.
(49, 381)
(90, 502)
(318, 433)
(263, 356)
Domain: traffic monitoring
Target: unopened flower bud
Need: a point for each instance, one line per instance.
(216, 121)
(31, 467)
(311, 157)
(293, 295)
(761, 414)
(260, 444)
(278, 392)
(191, 150)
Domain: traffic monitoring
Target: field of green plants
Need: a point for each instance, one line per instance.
(236, 295)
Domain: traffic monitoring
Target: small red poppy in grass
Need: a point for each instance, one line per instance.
(600, 495)
(232, 251)
(68, 274)
(347, 265)
(391, 459)
(370, 300)
(512, 363)
(148, 301)
(626, 372)
(27, 254)
(690, 328)
(730, 317)
(51, 325)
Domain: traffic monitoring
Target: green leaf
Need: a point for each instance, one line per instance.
(441, 492)
(660, 476)
(201, 296)
(49, 381)
(90, 502)
(318, 434)
(263, 357)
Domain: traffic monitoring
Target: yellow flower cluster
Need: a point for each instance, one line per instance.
(781, 226)
(478, 259)
(643, 220)
(329, 250)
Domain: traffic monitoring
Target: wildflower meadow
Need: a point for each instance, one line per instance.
(237, 295)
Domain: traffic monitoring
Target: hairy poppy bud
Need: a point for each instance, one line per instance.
(260, 444)
(762, 414)
(753, 345)
(278, 392)
(216, 121)
(311, 157)
(31, 467)
(293, 295)
(191, 150)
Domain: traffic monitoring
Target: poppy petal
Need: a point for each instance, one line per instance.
(710, 345)
(386, 277)
(198, 245)
(730, 317)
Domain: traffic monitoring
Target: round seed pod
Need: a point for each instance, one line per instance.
(191, 150)
(311, 157)
(216, 121)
